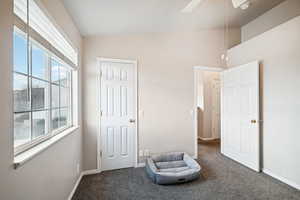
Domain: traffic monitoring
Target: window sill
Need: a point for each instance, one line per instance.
(22, 158)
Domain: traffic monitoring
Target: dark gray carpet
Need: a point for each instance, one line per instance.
(221, 178)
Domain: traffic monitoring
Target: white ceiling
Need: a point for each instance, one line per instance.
(95, 17)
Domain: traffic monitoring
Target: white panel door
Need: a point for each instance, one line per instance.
(117, 115)
(240, 139)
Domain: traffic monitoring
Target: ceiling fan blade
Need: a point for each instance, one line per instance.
(191, 6)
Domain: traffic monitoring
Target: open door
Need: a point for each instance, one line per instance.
(240, 139)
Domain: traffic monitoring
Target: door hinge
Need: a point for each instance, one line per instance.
(101, 153)
(101, 73)
(101, 113)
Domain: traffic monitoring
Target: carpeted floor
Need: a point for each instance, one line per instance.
(221, 178)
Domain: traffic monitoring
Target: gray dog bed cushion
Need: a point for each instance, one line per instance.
(172, 168)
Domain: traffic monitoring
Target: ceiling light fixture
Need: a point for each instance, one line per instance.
(224, 56)
(243, 4)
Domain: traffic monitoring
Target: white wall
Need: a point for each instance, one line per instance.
(166, 94)
(278, 50)
(274, 17)
(52, 174)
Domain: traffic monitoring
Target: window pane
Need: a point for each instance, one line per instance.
(64, 117)
(39, 63)
(64, 97)
(20, 53)
(64, 77)
(55, 96)
(22, 125)
(55, 119)
(55, 71)
(21, 93)
(40, 94)
(40, 123)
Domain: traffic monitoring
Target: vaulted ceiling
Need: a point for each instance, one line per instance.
(95, 17)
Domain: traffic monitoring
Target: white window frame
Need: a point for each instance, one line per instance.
(26, 146)
(45, 26)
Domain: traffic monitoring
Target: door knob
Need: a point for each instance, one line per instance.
(132, 120)
(253, 121)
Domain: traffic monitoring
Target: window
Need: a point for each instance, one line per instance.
(42, 93)
(44, 63)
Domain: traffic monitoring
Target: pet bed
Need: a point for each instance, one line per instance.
(172, 168)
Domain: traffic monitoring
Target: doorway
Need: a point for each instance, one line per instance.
(117, 144)
(227, 112)
(208, 105)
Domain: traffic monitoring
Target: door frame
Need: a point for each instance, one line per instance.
(135, 136)
(203, 68)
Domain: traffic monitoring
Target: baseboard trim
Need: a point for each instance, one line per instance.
(75, 186)
(207, 139)
(282, 179)
(83, 173)
(140, 165)
(90, 172)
